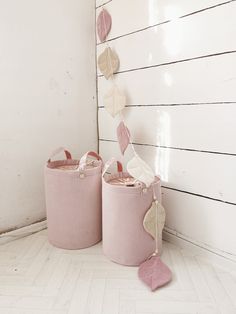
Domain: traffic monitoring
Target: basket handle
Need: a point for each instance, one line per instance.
(83, 159)
(58, 151)
(111, 162)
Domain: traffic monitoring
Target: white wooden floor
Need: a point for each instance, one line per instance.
(36, 278)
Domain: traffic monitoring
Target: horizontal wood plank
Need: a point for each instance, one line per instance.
(102, 2)
(199, 81)
(184, 127)
(206, 175)
(201, 219)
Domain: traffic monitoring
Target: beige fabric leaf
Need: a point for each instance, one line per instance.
(138, 169)
(108, 62)
(155, 218)
(114, 101)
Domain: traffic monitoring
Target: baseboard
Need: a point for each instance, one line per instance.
(22, 232)
(219, 258)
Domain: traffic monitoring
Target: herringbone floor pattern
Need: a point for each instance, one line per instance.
(36, 278)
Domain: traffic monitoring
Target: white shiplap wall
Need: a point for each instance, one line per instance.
(178, 69)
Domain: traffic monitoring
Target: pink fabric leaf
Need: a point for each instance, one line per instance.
(103, 24)
(154, 273)
(123, 135)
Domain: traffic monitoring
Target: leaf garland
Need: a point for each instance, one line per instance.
(153, 271)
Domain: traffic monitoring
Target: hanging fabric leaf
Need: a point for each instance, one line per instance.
(108, 62)
(114, 101)
(154, 220)
(123, 136)
(103, 24)
(154, 273)
(138, 169)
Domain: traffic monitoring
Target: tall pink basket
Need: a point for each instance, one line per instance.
(74, 201)
(124, 206)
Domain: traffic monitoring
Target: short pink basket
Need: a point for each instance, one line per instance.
(124, 206)
(74, 201)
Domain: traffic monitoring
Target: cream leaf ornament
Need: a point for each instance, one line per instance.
(114, 101)
(138, 169)
(108, 62)
(103, 24)
(154, 220)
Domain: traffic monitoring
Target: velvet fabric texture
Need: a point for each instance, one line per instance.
(74, 202)
(154, 273)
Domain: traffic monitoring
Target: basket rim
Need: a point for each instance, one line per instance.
(52, 167)
(127, 189)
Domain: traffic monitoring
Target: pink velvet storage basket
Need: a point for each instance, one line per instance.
(124, 206)
(74, 201)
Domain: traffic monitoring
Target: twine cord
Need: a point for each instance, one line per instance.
(156, 218)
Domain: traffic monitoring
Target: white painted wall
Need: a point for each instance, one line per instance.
(178, 68)
(47, 96)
